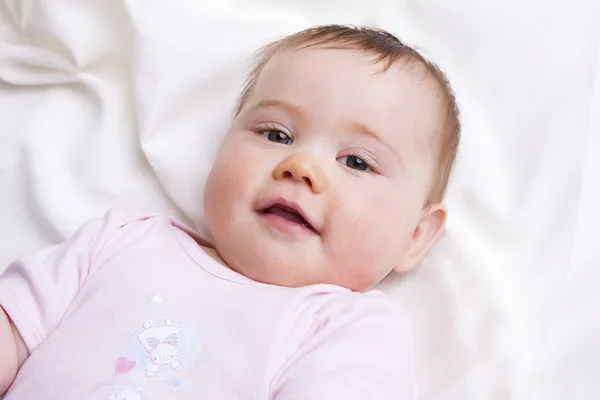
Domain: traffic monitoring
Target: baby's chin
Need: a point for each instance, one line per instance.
(272, 272)
(294, 274)
(272, 258)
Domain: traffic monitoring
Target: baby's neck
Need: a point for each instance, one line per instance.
(213, 253)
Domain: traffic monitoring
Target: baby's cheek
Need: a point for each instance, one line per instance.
(376, 244)
(225, 186)
(359, 277)
(357, 254)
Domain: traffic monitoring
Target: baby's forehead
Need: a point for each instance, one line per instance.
(366, 62)
(324, 59)
(353, 84)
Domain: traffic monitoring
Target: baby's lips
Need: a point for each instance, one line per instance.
(290, 205)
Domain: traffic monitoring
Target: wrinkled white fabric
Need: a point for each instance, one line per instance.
(123, 102)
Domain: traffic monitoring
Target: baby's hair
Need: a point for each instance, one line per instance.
(388, 50)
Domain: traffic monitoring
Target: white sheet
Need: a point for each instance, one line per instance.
(122, 102)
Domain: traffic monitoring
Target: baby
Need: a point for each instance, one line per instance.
(330, 177)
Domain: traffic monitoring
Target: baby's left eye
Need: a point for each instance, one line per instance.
(355, 162)
(277, 136)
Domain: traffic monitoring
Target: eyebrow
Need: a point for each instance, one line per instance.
(365, 130)
(293, 109)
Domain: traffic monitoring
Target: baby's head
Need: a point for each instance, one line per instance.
(335, 165)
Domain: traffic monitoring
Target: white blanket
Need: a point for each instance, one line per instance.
(109, 103)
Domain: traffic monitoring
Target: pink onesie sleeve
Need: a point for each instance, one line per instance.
(36, 291)
(361, 351)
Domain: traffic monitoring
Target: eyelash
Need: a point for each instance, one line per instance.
(270, 126)
(364, 158)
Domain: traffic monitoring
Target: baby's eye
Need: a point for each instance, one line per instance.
(277, 136)
(354, 162)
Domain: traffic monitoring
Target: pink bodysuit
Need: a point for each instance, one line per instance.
(133, 308)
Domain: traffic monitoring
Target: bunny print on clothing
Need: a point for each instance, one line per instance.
(161, 344)
(160, 348)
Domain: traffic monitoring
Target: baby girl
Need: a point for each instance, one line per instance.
(330, 177)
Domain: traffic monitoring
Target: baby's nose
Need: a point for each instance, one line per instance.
(303, 169)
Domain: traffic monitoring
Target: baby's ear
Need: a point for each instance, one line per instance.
(429, 228)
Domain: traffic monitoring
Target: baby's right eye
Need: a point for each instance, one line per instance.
(277, 136)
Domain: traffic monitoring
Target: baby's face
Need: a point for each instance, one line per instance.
(323, 175)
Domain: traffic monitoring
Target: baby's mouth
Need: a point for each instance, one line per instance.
(289, 214)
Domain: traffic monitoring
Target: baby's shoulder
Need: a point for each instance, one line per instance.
(361, 328)
(108, 235)
(337, 309)
(122, 222)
